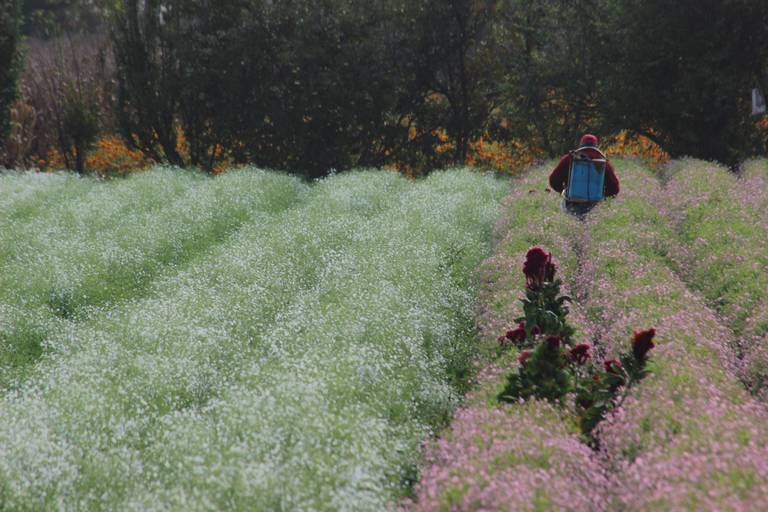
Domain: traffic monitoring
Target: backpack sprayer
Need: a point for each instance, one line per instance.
(586, 177)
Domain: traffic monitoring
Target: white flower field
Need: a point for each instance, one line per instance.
(250, 342)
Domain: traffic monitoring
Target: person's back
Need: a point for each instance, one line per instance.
(584, 177)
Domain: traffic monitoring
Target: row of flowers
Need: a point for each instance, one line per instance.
(722, 225)
(72, 246)
(521, 456)
(295, 365)
(688, 437)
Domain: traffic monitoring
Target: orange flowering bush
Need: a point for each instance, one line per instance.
(109, 158)
(625, 145)
(509, 157)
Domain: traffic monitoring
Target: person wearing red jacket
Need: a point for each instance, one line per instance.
(558, 180)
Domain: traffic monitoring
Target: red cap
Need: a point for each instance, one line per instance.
(589, 140)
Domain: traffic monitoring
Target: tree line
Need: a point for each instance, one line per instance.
(315, 85)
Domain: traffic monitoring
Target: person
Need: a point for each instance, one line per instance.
(601, 167)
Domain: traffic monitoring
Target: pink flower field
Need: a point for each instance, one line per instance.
(679, 250)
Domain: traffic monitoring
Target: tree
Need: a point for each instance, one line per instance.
(459, 63)
(50, 18)
(682, 73)
(10, 59)
(301, 85)
(148, 80)
(552, 59)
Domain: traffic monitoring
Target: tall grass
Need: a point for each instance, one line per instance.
(295, 362)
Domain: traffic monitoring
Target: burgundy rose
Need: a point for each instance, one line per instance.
(580, 354)
(554, 341)
(642, 343)
(536, 330)
(613, 366)
(523, 357)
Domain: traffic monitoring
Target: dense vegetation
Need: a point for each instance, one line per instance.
(248, 343)
(314, 86)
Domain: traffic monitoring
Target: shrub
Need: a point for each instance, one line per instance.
(68, 82)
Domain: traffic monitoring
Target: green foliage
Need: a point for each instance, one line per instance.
(552, 66)
(547, 309)
(671, 80)
(50, 18)
(554, 367)
(10, 59)
(308, 86)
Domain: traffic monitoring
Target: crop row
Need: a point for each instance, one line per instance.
(524, 456)
(71, 248)
(690, 436)
(722, 225)
(296, 365)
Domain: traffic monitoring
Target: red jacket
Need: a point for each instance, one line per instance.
(558, 180)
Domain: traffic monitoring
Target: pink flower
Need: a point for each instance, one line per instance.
(642, 343)
(580, 354)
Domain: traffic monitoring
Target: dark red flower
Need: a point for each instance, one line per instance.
(523, 356)
(538, 268)
(554, 341)
(536, 330)
(580, 354)
(516, 335)
(502, 340)
(549, 272)
(586, 403)
(613, 366)
(642, 343)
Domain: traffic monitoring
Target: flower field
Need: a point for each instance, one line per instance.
(256, 342)
(250, 342)
(680, 252)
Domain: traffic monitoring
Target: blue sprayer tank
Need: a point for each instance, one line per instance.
(586, 178)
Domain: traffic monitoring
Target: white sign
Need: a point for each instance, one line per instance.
(758, 102)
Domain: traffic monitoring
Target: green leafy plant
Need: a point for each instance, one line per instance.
(552, 367)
